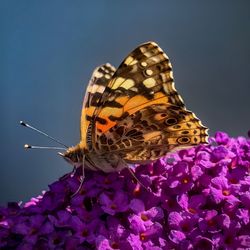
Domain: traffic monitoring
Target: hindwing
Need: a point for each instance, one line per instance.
(95, 88)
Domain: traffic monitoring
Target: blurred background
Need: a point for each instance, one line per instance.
(49, 49)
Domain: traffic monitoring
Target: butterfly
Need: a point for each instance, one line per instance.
(133, 114)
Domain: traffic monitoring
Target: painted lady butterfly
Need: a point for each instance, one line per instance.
(133, 114)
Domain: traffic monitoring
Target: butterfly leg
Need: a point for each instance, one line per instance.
(73, 172)
(81, 178)
(134, 176)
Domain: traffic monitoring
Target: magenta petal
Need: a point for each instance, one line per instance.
(136, 224)
(176, 236)
(135, 242)
(174, 219)
(154, 213)
(103, 243)
(244, 240)
(137, 205)
(221, 138)
(243, 215)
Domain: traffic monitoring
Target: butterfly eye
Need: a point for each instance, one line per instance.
(183, 140)
(171, 121)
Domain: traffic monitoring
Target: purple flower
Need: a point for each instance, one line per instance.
(152, 215)
(203, 243)
(191, 204)
(221, 138)
(84, 231)
(115, 237)
(197, 198)
(221, 190)
(229, 238)
(181, 224)
(180, 180)
(114, 203)
(213, 222)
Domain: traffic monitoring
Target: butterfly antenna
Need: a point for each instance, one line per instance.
(27, 146)
(41, 132)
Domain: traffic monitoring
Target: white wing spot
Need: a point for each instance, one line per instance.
(128, 84)
(134, 89)
(117, 82)
(149, 72)
(122, 82)
(128, 60)
(149, 83)
(98, 74)
(96, 88)
(144, 64)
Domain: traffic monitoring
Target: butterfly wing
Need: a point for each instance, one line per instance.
(96, 86)
(152, 132)
(142, 117)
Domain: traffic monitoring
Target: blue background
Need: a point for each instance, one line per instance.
(49, 49)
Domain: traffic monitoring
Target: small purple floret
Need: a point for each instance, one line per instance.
(197, 198)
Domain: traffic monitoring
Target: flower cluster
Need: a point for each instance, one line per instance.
(197, 198)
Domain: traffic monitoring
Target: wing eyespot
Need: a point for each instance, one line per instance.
(171, 121)
(183, 140)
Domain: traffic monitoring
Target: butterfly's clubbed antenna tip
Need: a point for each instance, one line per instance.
(27, 146)
(22, 123)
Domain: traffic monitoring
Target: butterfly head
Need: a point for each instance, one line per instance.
(74, 155)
